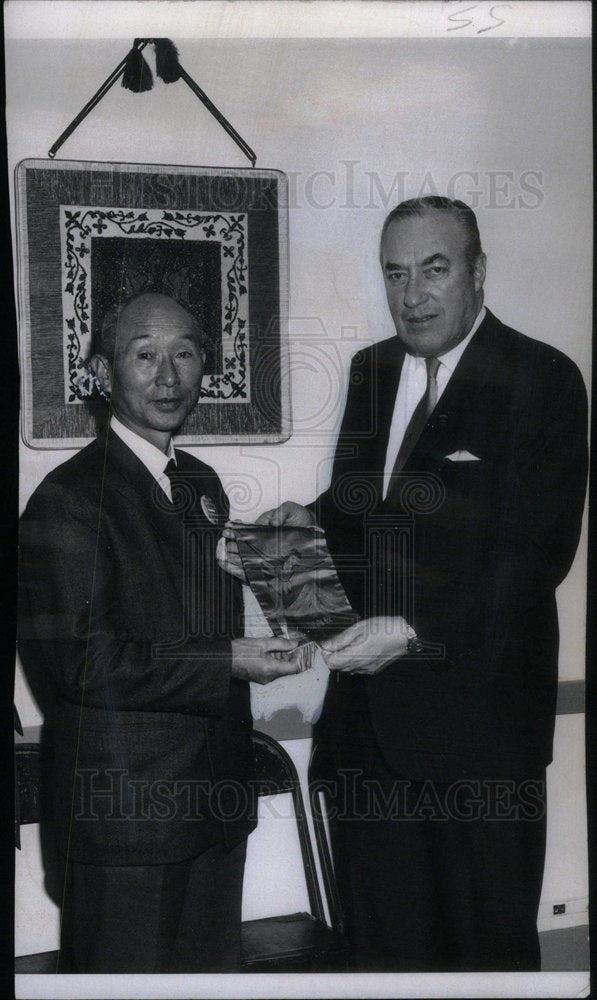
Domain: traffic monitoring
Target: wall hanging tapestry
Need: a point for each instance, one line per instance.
(92, 234)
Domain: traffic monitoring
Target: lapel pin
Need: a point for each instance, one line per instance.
(209, 509)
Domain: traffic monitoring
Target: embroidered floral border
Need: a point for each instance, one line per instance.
(80, 224)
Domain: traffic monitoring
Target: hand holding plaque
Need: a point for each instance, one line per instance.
(294, 589)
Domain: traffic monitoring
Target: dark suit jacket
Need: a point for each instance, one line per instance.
(470, 552)
(123, 604)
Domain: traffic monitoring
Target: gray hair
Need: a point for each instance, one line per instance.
(462, 213)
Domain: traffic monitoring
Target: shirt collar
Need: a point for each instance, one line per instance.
(154, 460)
(451, 358)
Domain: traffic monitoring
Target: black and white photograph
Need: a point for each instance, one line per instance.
(303, 299)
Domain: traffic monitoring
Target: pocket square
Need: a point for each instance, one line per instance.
(462, 456)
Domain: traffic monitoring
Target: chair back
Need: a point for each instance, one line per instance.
(276, 774)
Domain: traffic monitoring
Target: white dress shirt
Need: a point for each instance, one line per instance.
(412, 387)
(154, 460)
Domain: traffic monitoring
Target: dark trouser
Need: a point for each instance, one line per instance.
(182, 917)
(435, 877)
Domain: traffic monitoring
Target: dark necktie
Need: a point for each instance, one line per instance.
(419, 418)
(171, 471)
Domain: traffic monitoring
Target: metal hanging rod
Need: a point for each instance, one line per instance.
(167, 51)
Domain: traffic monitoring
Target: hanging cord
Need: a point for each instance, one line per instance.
(103, 90)
(137, 77)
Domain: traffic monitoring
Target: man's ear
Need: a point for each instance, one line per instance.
(479, 271)
(102, 370)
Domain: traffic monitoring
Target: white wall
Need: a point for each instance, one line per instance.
(358, 124)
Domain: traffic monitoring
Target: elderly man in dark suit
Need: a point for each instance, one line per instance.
(453, 514)
(124, 605)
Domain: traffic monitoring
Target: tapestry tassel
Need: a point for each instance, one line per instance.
(137, 75)
(167, 65)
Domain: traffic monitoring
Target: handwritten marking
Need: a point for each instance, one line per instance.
(461, 22)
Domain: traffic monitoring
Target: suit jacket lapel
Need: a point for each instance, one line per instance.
(133, 481)
(386, 379)
(462, 397)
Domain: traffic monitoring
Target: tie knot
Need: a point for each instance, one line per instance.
(171, 470)
(432, 366)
